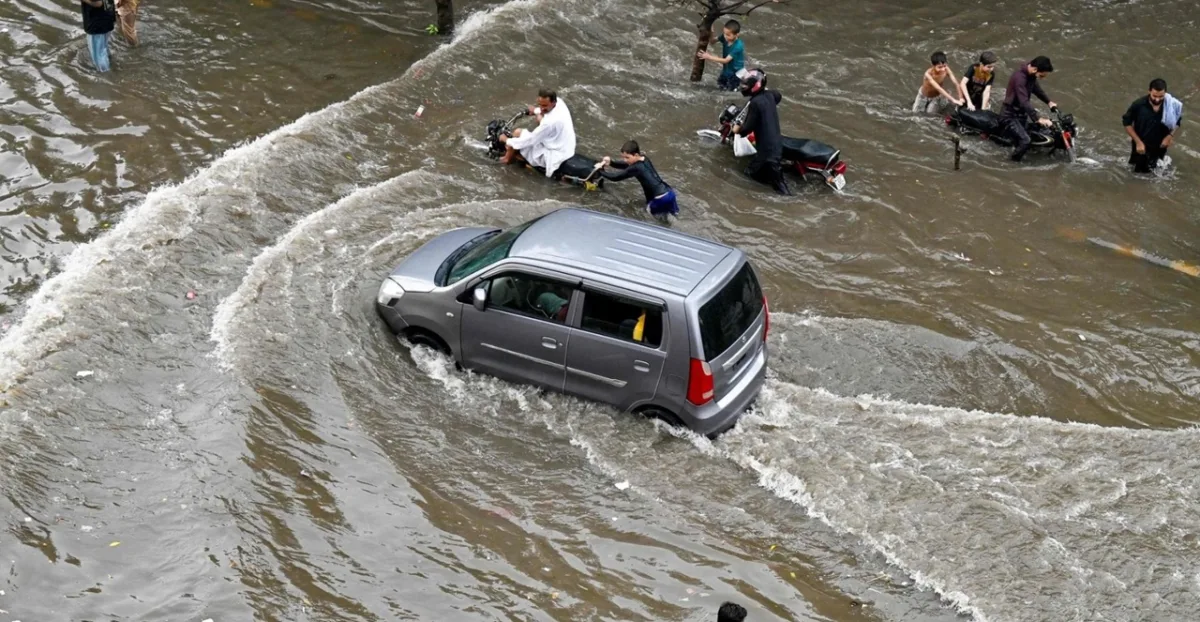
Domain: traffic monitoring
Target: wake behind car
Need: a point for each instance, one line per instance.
(646, 319)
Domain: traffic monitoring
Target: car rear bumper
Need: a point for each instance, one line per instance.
(717, 417)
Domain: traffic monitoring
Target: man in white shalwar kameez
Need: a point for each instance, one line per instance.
(551, 143)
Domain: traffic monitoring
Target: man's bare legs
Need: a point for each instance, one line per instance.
(511, 154)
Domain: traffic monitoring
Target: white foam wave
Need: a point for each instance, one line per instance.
(1044, 482)
(165, 214)
(227, 313)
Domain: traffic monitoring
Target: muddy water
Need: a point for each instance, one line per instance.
(970, 414)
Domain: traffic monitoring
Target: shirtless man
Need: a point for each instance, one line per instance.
(932, 96)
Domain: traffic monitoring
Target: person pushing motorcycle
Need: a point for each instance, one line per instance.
(762, 120)
(1018, 110)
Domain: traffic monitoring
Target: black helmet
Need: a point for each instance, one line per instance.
(753, 82)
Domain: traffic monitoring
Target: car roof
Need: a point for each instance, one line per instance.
(622, 248)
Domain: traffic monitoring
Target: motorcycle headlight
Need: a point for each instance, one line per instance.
(389, 292)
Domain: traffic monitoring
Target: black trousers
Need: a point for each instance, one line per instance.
(1014, 128)
(769, 173)
(1145, 162)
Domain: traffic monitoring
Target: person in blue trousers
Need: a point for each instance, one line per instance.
(99, 18)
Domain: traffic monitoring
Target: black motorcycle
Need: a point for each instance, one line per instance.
(579, 169)
(1061, 135)
(802, 156)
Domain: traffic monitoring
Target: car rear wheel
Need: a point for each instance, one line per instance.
(666, 416)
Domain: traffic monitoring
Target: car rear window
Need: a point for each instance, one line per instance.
(730, 313)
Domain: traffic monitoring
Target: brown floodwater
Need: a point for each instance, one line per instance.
(970, 415)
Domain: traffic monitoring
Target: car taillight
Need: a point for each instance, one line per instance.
(766, 318)
(700, 383)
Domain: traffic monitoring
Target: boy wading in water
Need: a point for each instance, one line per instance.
(932, 97)
(976, 83)
(99, 17)
(733, 56)
(660, 198)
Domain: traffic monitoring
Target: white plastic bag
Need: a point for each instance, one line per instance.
(742, 146)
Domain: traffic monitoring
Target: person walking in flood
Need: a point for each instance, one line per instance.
(1151, 122)
(932, 97)
(1018, 110)
(99, 18)
(127, 17)
(732, 58)
(976, 83)
(762, 120)
(660, 198)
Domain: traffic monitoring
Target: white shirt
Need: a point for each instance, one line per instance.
(551, 143)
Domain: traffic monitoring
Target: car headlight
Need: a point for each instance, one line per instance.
(389, 292)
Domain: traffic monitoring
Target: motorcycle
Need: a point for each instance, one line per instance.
(802, 156)
(578, 170)
(1061, 135)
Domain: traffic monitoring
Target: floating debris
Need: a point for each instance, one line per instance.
(84, 374)
(623, 485)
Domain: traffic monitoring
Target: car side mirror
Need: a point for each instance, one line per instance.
(479, 298)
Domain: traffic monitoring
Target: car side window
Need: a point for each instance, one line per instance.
(530, 295)
(622, 318)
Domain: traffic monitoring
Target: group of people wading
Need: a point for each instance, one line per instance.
(1151, 121)
(100, 18)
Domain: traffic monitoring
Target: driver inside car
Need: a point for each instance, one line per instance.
(552, 305)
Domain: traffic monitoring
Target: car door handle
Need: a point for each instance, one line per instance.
(549, 342)
(641, 366)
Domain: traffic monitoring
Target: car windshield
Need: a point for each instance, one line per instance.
(485, 254)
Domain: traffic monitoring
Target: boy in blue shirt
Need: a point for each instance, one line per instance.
(733, 56)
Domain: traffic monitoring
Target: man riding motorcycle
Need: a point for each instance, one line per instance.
(1018, 110)
(762, 119)
(551, 143)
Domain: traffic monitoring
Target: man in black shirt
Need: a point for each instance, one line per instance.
(1018, 110)
(99, 17)
(762, 119)
(660, 198)
(1144, 124)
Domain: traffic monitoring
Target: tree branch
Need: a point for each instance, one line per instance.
(733, 9)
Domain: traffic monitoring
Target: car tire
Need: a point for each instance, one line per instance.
(665, 416)
(429, 340)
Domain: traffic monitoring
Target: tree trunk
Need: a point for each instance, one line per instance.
(704, 36)
(445, 17)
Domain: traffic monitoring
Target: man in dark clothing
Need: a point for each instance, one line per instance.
(1018, 110)
(762, 120)
(660, 198)
(1144, 124)
(99, 18)
(731, 612)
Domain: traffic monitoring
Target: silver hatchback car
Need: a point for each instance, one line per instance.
(651, 321)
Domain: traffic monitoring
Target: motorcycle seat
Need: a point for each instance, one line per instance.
(578, 167)
(805, 150)
(983, 120)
